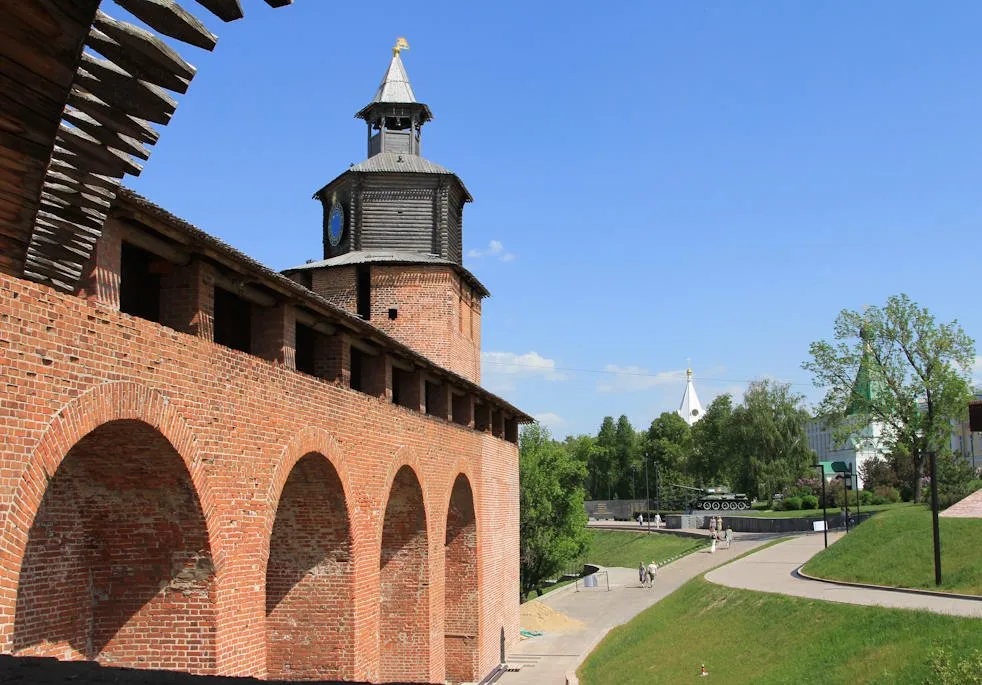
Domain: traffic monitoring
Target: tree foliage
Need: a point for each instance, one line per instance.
(553, 519)
(711, 443)
(767, 440)
(918, 378)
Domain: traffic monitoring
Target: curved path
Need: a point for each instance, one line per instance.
(551, 658)
(775, 570)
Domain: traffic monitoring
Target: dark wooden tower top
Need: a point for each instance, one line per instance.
(396, 206)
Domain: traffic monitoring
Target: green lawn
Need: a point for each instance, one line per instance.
(817, 513)
(629, 548)
(896, 548)
(750, 637)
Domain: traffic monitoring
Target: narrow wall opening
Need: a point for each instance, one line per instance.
(461, 616)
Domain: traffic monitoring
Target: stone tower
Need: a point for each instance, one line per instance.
(691, 408)
(393, 236)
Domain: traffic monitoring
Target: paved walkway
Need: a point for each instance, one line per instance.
(773, 570)
(546, 660)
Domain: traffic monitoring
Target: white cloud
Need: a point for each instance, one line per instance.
(550, 419)
(636, 379)
(494, 249)
(522, 365)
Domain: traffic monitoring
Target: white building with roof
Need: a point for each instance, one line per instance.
(691, 408)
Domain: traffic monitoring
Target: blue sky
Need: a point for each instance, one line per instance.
(652, 181)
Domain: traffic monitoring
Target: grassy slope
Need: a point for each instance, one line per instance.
(896, 548)
(750, 637)
(629, 548)
(817, 513)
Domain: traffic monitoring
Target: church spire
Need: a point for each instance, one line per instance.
(394, 117)
(691, 408)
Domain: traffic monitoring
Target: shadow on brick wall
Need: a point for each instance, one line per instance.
(49, 671)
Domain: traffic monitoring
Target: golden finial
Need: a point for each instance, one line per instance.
(400, 45)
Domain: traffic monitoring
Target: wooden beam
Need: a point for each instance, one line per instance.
(74, 195)
(171, 20)
(57, 220)
(65, 180)
(143, 48)
(363, 346)
(114, 86)
(402, 364)
(313, 321)
(141, 68)
(105, 135)
(161, 248)
(85, 145)
(226, 10)
(65, 162)
(246, 292)
(111, 117)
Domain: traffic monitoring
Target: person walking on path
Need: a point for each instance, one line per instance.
(729, 537)
(642, 573)
(712, 525)
(652, 572)
(641, 523)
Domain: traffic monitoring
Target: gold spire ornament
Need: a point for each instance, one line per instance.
(400, 45)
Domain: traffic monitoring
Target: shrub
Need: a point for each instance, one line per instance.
(906, 493)
(866, 497)
(809, 502)
(879, 499)
(792, 504)
(890, 494)
(777, 505)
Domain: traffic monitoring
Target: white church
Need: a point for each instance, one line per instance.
(691, 408)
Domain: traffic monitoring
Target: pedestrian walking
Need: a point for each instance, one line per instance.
(652, 572)
(641, 524)
(642, 573)
(712, 525)
(729, 537)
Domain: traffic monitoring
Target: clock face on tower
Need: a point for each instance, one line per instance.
(335, 224)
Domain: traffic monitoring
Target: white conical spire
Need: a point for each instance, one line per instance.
(691, 408)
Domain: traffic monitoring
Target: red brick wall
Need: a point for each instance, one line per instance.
(461, 610)
(309, 601)
(238, 425)
(118, 565)
(429, 300)
(404, 630)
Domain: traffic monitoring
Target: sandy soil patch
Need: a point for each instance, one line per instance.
(535, 615)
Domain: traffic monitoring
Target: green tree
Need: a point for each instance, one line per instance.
(625, 457)
(711, 443)
(895, 366)
(767, 436)
(601, 467)
(553, 519)
(668, 444)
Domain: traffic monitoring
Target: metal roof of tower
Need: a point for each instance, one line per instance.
(691, 408)
(395, 88)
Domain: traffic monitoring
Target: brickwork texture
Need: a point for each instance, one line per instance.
(166, 502)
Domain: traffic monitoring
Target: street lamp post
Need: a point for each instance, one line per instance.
(825, 511)
(934, 517)
(647, 495)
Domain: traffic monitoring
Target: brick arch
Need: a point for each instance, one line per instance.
(306, 441)
(463, 571)
(308, 563)
(404, 456)
(404, 563)
(102, 404)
